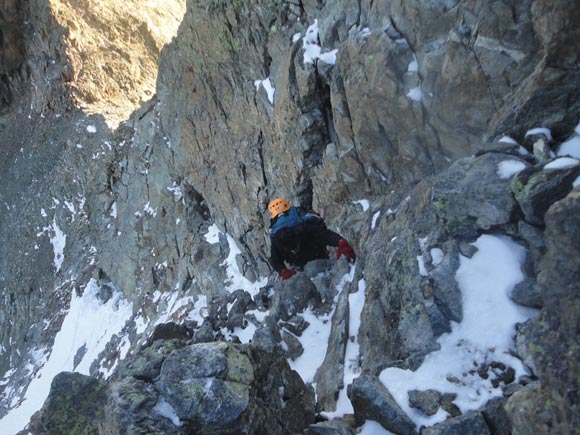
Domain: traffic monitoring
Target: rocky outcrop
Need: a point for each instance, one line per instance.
(393, 138)
(201, 388)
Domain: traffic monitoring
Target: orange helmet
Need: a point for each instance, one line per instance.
(277, 206)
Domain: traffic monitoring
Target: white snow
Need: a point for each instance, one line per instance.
(149, 210)
(329, 57)
(576, 182)
(437, 256)
(43, 212)
(422, 268)
(113, 212)
(91, 129)
(413, 66)
(375, 219)
(267, 85)
(356, 303)
(235, 279)
(509, 168)
(212, 235)
(365, 32)
(58, 241)
(166, 410)
(485, 335)
(415, 94)
(508, 139)
(373, 428)
(562, 163)
(364, 203)
(571, 147)
(314, 339)
(176, 190)
(312, 51)
(545, 131)
(577, 129)
(90, 323)
(296, 37)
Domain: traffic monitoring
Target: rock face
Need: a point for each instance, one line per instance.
(393, 134)
(201, 388)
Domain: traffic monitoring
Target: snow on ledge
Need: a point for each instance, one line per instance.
(485, 334)
(562, 163)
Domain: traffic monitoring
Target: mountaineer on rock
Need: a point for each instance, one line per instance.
(299, 236)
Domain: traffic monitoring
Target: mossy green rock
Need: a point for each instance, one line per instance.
(73, 407)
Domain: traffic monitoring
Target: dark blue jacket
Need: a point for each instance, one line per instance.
(299, 236)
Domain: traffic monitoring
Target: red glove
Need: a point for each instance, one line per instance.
(287, 273)
(345, 249)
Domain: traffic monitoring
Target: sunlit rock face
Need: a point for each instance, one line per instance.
(113, 47)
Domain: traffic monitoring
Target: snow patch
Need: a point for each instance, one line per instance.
(508, 139)
(58, 241)
(422, 268)
(90, 322)
(485, 335)
(413, 66)
(91, 129)
(562, 163)
(437, 256)
(352, 368)
(176, 190)
(312, 51)
(570, 148)
(545, 131)
(375, 219)
(364, 203)
(415, 94)
(267, 85)
(166, 410)
(508, 168)
(576, 183)
(212, 235)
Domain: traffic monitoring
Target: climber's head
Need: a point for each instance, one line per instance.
(277, 206)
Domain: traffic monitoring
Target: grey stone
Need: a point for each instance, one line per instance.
(296, 325)
(293, 345)
(537, 190)
(471, 196)
(447, 294)
(333, 427)
(496, 417)
(471, 423)
(525, 342)
(529, 412)
(425, 401)
(527, 293)
(372, 401)
(293, 296)
(329, 377)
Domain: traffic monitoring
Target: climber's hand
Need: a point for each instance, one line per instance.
(287, 273)
(345, 249)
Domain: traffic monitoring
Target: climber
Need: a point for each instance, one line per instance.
(299, 236)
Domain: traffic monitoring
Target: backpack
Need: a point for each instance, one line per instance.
(292, 218)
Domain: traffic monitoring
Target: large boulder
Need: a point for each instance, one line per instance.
(372, 401)
(76, 404)
(471, 423)
(471, 196)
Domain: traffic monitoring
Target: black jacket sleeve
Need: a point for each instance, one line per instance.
(320, 232)
(276, 256)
